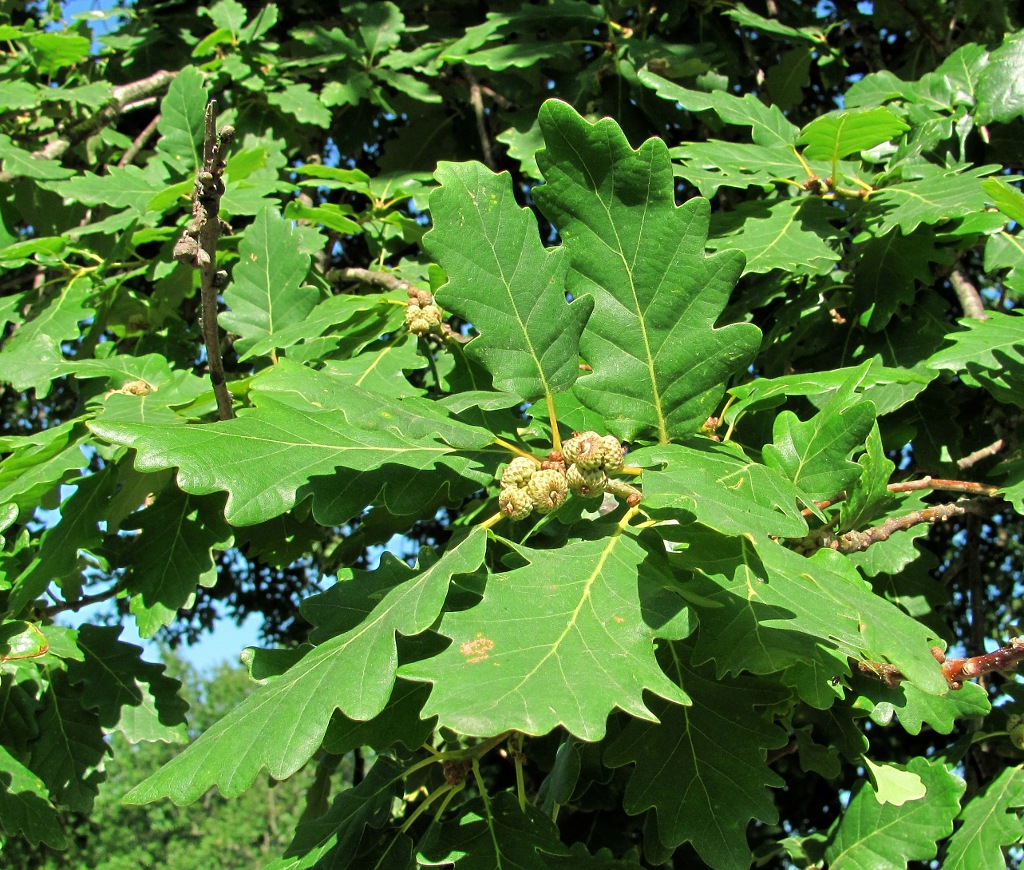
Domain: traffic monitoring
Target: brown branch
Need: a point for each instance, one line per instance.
(935, 483)
(982, 453)
(782, 752)
(198, 247)
(501, 101)
(855, 542)
(120, 98)
(139, 142)
(83, 601)
(932, 483)
(958, 671)
(476, 100)
(968, 295)
(384, 280)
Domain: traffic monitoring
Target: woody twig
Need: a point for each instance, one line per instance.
(956, 671)
(198, 247)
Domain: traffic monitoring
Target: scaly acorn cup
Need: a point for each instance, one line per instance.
(423, 320)
(519, 472)
(548, 490)
(584, 483)
(612, 454)
(515, 502)
(585, 449)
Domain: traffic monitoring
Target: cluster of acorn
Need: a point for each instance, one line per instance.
(422, 316)
(582, 468)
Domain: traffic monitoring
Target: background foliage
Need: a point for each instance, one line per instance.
(775, 251)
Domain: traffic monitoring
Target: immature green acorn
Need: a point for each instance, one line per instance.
(548, 490)
(423, 319)
(612, 454)
(515, 502)
(586, 483)
(585, 449)
(519, 472)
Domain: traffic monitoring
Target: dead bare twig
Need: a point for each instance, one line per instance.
(198, 247)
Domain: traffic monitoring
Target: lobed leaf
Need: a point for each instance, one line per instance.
(25, 808)
(563, 640)
(844, 132)
(721, 488)
(702, 767)
(659, 365)
(874, 836)
(822, 598)
(990, 821)
(282, 723)
(267, 294)
(182, 124)
(503, 281)
(127, 693)
(815, 454)
(289, 446)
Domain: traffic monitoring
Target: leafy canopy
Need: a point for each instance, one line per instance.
(619, 441)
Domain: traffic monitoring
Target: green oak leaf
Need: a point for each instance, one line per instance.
(398, 722)
(130, 187)
(979, 343)
(59, 545)
(714, 164)
(32, 355)
(170, 554)
(281, 724)
(794, 235)
(1006, 198)
(332, 839)
(25, 808)
(19, 163)
(745, 18)
(892, 784)
(266, 294)
(874, 836)
(560, 783)
(823, 598)
(37, 464)
(990, 820)
(495, 833)
(55, 50)
(769, 125)
(737, 635)
(869, 495)
(299, 101)
(182, 123)
(334, 315)
(844, 132)
(359, 449)
(503, 281)
(814, 454)
(703, 767)
(887, 388)
(129, 694)
(721, 488)
(888, 271)
(659, 365)
(68, 752)
(941, 195)
(915, 708)
(562, 640)
(1000, 90)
